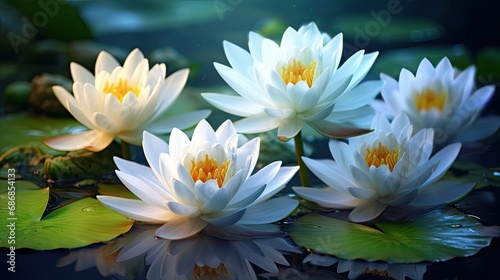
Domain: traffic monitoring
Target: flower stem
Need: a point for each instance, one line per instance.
(299, 152)
(125, 150)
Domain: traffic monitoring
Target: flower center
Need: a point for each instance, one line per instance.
(120, 89)
(296, 72)
(381, 155)
(207, 272)
(429, 99)
(209, 169)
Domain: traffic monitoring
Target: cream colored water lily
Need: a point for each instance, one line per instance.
(202, 181)
(295, 83)
(387, 169)
(121, 101)
(441, 98)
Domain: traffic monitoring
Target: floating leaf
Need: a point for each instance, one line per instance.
(25, 129)
(75, 225)
(465, 171)
(437, 236)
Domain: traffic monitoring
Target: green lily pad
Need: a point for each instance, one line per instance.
(437, 236)
(78, 224)
(474, 173)
(26, 129)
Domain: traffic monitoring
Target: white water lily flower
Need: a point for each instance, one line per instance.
(385, 169)
(121, 101)
(441, 98)
(295, 83)
(202, 181)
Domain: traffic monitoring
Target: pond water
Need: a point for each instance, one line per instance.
(191, 34)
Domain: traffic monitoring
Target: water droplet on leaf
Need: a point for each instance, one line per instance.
(89, 209)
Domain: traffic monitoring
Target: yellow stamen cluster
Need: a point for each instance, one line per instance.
(429, 99)
(296, 72)
(209, 169)
(207, 272)
(382, 155)
(120, 89)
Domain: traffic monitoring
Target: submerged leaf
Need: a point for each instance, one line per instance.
(437, 236)
(78, 224)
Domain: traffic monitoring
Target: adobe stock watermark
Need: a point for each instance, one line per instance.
(373, 28)
(30, 27)
(11, 219)
(225, 6)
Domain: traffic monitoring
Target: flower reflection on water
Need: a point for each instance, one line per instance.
(202, 256)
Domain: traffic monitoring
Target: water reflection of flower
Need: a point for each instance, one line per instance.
(121, 101)
(205, 256)
(297, 82)
(103, 257)
(442, 98)
(357, 268)
(385, 169)
(202, 181)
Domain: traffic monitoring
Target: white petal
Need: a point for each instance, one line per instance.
(269, 211)
(141, 190)
(330, 198)
(234, 105)
(92, 140)
(184, 194)
(69, 102)
(289, 128)
(170, 90)
(279, 113)
(153, 146)
(217, 201)
(441, 193)
(257, 123)
(336, 130)
(363, 68)
(362, 193)
(445, 157)
(183, 209)
(367, 211)
(239, 59)
(81, 74)
(255, 45)
(136, 209)
(223, 218)
(328, 172)
(133, 60)
(361, 95)
(180, 228)
(105, 62)
(482, 128)
(241, 85)
(105, 123)
(279, 182)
